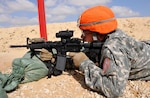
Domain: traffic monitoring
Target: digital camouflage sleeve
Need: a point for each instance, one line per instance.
(129, 59)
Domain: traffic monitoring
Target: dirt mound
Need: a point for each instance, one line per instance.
(71, 83)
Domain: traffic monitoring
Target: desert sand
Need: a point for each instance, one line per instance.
(70, 84)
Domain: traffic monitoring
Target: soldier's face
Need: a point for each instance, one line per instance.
(87, 36)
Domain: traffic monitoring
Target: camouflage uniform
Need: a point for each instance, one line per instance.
(129, 59)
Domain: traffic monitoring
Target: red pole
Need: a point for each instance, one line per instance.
(42, 20)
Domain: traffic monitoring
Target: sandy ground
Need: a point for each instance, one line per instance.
(70, 84)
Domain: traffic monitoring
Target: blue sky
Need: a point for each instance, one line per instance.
(24, 12)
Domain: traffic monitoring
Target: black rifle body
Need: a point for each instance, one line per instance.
(67, 44)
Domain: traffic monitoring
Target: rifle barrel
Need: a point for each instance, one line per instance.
(17, 46)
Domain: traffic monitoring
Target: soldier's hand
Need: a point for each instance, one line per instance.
(45, 55)
(77, 57)
(36, 40)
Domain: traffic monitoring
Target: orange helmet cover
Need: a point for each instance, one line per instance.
(99, 19)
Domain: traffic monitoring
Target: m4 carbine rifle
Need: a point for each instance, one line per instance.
(66, 44)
